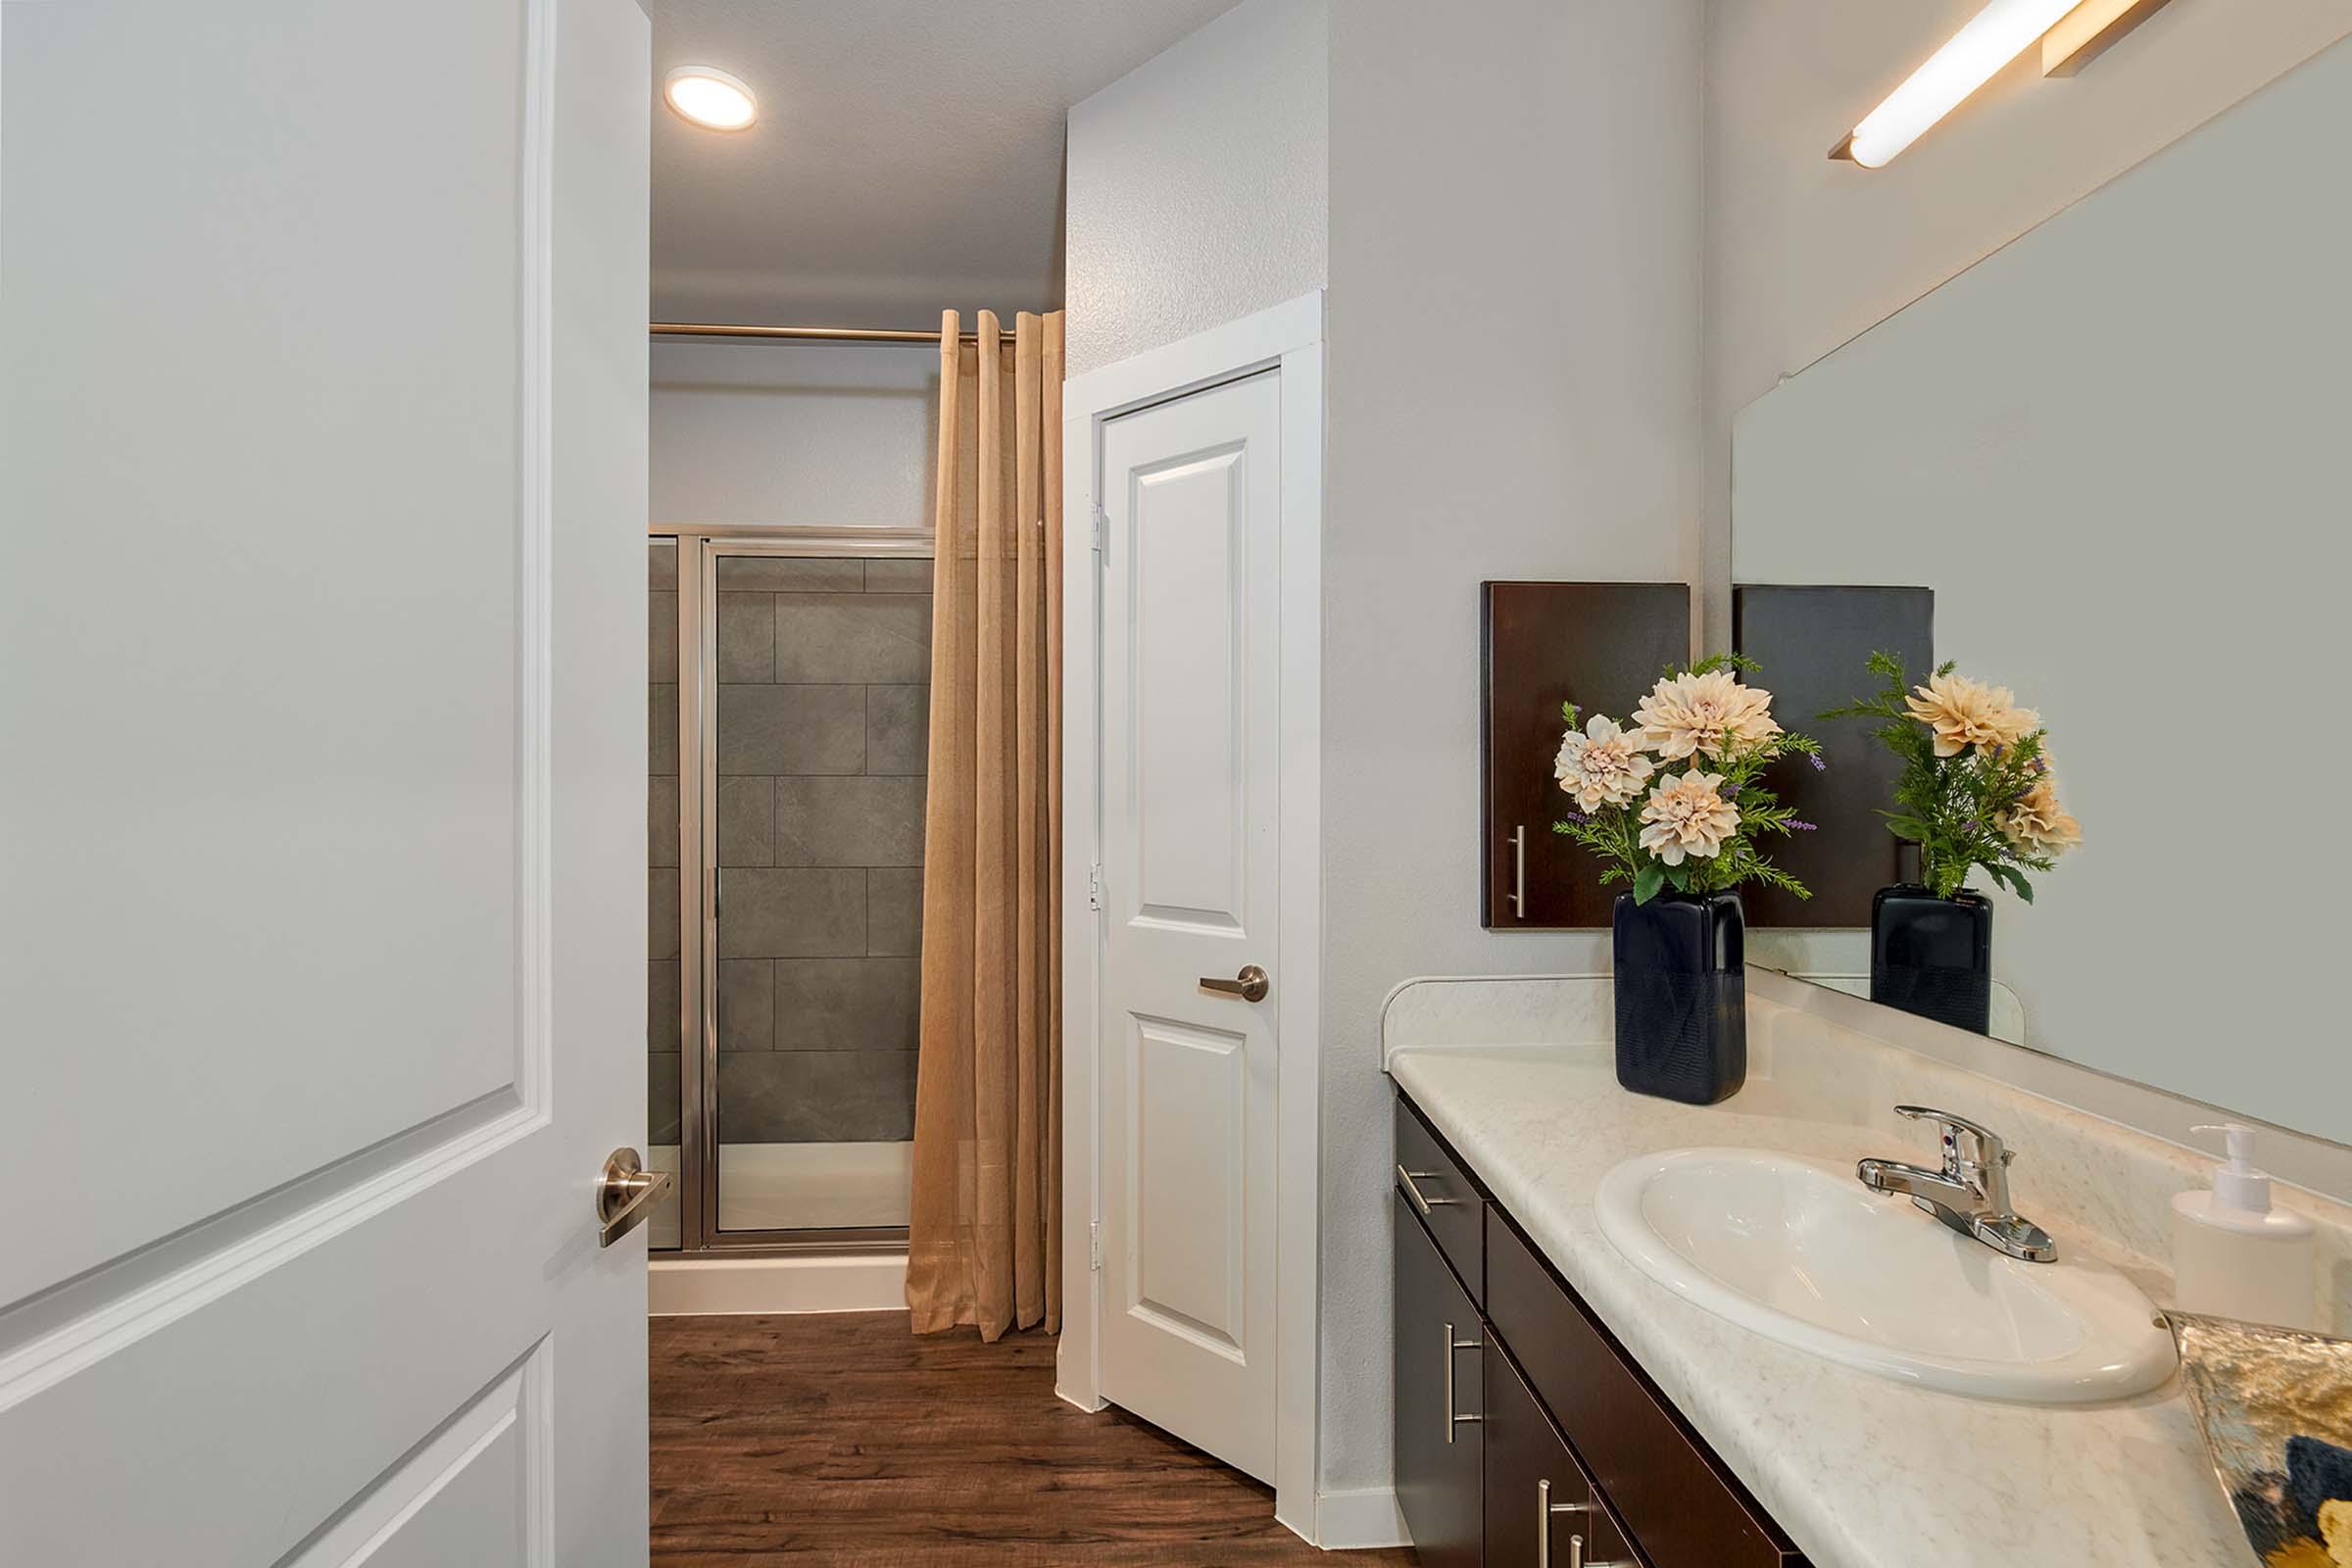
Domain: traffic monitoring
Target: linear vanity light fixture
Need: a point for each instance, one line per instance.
(1991, 39)
(2084, 33)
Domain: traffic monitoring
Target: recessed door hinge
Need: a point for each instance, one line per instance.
(1094, 886)
(1102, 529)
(1093, 1244)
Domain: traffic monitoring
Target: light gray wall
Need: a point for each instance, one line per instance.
(1802, 253)
(1514, 362)
(1519, 384)
(1197, 184)
(836, 433)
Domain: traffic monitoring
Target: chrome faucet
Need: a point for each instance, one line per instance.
(1971, 1194)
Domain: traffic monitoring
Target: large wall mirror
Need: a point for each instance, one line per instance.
(2118, 451)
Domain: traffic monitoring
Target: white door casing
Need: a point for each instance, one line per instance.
(1191, 844)
(1288, 337)
(323, 389)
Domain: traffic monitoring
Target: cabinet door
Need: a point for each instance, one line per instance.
(1541, 1509)
(1600, 645)
(1436, 1373)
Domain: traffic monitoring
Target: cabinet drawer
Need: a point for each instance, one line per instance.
(1444, 1197)
(1439, 1434)
(1683, 1509)
(1542, 1508)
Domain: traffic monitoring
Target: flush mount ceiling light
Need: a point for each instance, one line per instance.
(1992, 38)
(710, 98)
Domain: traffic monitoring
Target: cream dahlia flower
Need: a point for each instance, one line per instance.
(1964, 712)
(2037, 823)
(1703, 713)
(1688, 815)
(1602, 764)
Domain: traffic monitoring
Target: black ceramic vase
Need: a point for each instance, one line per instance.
(1932, 956)
(1681, 995)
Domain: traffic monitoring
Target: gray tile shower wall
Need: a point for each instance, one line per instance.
(823, 734)
(662, 1000)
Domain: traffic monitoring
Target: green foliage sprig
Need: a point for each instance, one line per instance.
(1614, 832)
(1953, 807)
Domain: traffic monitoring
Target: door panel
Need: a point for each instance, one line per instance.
(323, 784)
(1436, 1365)
(322, 446)
(1189, 818)
(1191, 731)
(1189, 1137)
(460, 1497)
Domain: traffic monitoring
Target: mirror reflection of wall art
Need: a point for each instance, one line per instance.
(2276, 1408)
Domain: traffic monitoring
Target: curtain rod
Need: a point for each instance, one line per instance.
(827, 334)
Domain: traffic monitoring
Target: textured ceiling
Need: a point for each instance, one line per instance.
(907, 154)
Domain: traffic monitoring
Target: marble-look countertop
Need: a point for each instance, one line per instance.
(1863, 1472)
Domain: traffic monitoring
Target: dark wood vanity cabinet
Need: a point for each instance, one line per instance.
(1438, 1454)
(1675, 1497)
(1540, 1507)
(1549, 1418)
(1443, 1196)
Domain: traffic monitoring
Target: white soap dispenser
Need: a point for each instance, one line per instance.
(2235, 1255)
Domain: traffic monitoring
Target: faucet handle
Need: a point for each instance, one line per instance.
(1990, 1149)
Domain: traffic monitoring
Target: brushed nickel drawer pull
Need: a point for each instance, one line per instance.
(1518, 893)
(1452, 1420)
(1404, 1179)
(1545, 1508)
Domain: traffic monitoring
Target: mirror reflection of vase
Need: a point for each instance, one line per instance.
(1932, 956)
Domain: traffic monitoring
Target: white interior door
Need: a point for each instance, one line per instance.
(1191, 844)
(323, 780)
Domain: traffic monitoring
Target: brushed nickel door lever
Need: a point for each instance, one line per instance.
(625, 1195)
(1250, 985)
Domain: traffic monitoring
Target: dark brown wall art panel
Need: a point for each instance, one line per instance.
(1812, 642)
(1600, 644)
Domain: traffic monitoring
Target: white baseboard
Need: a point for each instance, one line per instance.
(854, 1283)
(1072, 1396)
(1357, 1520)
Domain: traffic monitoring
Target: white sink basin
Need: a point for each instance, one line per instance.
(1800, 1251)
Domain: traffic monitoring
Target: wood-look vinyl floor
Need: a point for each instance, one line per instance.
(846, 1441)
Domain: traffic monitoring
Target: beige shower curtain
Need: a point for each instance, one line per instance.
(984, 1233)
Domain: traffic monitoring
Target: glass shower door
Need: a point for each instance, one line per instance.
(814, 775)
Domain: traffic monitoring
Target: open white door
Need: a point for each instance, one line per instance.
(322, 780)
(1192, 820)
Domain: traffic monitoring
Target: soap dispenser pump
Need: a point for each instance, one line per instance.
(2235, 1255)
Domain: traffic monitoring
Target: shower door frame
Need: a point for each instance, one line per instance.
(698, 550)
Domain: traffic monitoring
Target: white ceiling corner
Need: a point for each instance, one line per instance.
(907, 156)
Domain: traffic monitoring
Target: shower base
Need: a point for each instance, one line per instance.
(797, 1187)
